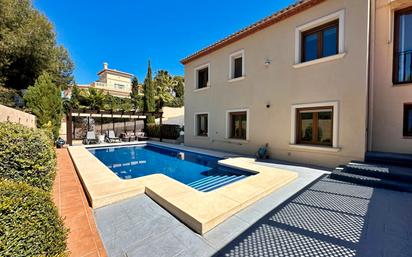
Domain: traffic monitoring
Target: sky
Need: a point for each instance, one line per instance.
(127, 33)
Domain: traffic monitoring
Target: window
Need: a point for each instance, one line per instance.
(202, 76)
(236, 65)
(314, 126)
(119, 86)
(407, 120)
(320, 42)
(238, 125)
(202, 125)
(402, 67)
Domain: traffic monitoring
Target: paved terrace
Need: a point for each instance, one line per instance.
(326, 218)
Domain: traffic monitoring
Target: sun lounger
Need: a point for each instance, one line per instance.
(111, 137)
(90, 138)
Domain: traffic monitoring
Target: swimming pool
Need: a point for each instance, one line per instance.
(201, 172)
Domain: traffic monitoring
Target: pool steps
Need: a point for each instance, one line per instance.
(215, 181)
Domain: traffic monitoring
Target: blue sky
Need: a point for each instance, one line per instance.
(126, 33)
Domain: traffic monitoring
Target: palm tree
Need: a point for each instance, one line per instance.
(94, 98)
(164, 84)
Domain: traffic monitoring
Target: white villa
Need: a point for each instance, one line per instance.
(115, 82)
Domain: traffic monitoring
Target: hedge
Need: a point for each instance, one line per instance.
(26, 155)
(29, 222)
(168, 131)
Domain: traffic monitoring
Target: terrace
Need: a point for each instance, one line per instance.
(312, 215)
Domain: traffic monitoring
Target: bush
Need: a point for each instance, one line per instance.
(169, 131)
(29, 222)
(26, 155)
(7, 96)
(176, 102)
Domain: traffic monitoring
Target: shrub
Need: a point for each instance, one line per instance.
(168, 131)
(7, 96)
(176, 102)
(29, 222)
(26, 155)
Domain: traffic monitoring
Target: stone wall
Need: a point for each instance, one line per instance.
(16, 116)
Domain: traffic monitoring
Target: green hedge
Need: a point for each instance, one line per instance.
(29, 222)
(169, 131)
(26, 155)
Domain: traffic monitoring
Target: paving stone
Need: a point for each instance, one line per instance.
(157, 246)
(327, 219)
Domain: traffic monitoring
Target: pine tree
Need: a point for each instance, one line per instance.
(149, 94)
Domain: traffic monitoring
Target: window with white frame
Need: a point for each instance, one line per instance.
(202, 124)
(323, 37)
(202, 75)
(237, 65)
(315, 124)
(237, 124)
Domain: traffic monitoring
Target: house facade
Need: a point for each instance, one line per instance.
(299, 80)
(390, 102)
(117, 83)
(111, 81)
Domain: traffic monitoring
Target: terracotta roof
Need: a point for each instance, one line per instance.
(281, 15)
(116, 72)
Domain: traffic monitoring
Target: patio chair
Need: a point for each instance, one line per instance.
(125, 137)
(111, 137)
(132, 136)
(90, 138)
(141, 136)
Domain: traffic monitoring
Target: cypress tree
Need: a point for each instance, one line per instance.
(149, 94)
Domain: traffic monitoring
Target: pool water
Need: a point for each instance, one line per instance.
(202, 172)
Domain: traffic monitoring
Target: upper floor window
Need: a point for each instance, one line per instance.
(119, 86)
(402, 68)
(202, 76)
(321, 41)
(237, 69)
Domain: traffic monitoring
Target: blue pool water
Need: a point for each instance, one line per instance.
(199, 171)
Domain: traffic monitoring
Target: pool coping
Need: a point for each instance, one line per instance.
(201, 211)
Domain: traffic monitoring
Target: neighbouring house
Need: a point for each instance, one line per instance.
(114, 82)
(322, 81)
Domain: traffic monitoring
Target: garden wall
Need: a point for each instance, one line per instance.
(16, 116)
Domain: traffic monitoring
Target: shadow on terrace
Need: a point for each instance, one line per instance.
(331, 218)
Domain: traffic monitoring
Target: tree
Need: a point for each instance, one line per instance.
(135, 96)
(28, 47)
(164, 84)
(93, 98)
(149, 94)
(179, 88)
(44, 101)
(62, 68)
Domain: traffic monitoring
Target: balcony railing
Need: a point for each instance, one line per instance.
(403, 67)
(100, 84)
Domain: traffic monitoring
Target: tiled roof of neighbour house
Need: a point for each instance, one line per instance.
(122, 73)
(281, 15)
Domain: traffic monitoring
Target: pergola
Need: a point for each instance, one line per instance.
(131, 115)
